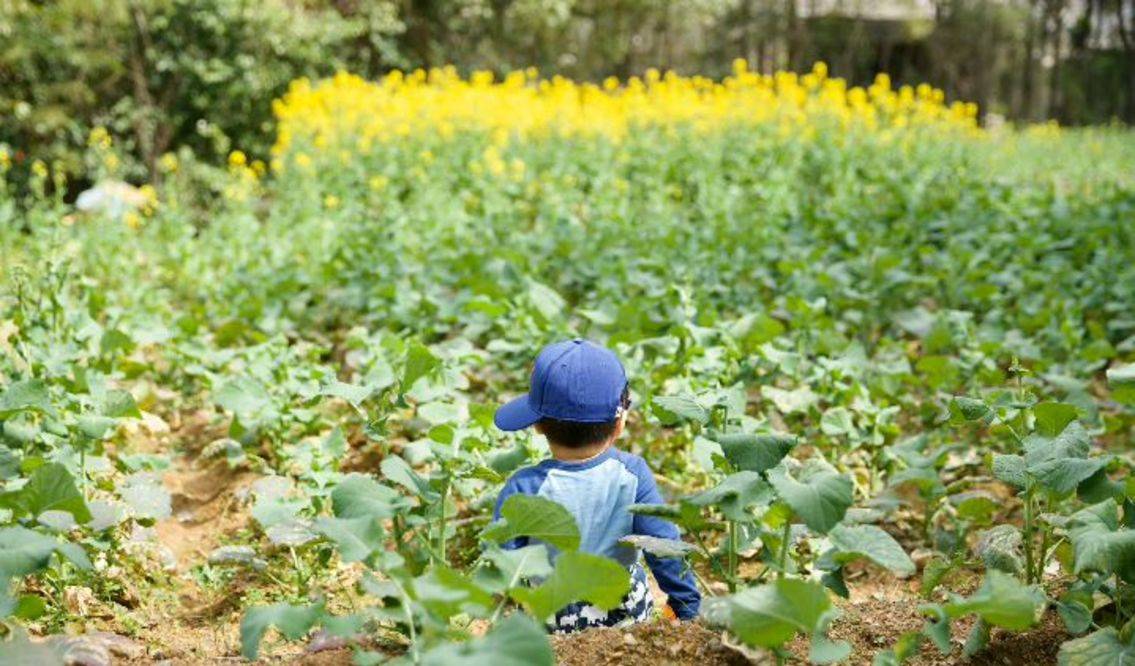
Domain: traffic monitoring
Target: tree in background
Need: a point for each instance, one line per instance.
(200, 75)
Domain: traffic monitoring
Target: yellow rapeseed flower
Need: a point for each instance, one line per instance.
(320, 121)
(168, 163)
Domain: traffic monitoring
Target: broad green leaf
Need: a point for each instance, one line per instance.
(818, 494)
(1100, 544)
(420, 362)
(977, 639)
(969, 409)
(905, 648)
(351, 393)
(30, 607)
(119, 403)
(335, 444)
(577, 576)
(734, 495)
(291, 533)
(1060, 463)
(359, 495)
(789, 402)
(1100, 648)
(515, 641)
(1064, 476)
(506, 569)
(976, 506)
(755, 453)
(673, 409)
(238, 555)
(545, 300)
(50, 488)
(926, 479)
(1010, 468)
(17, 649)
(535, 517)
(29, 394)
(770, 615)
(1121, 381)
(292, 621)
(445, 593)
(1000, 548)
(270, 512)
(146, 497)
(938, 631)
(356, 538)
(933, 573)
(440, 412)
(504, 461)
(707, 453)
(1002, 601)
(1099, 487)
(873, 543)
(824, 650)
(59, 521)
(96, 426)
(1053, 417)
(245, 397)
(395, 469)
(837, 422)
(657, 546)
(686, 515)
(1076, 615)
(23, 552)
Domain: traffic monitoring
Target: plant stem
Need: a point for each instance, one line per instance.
(83, 471)
(1119, 605)
(709, 556)
(441, 522)
(409, 622)
(928, 521)
(511, 584)
(702, 582)
(1043, 554)
(786, 536)
(732, 556)
(1029, 564)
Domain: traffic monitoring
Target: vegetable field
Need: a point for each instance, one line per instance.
(882, 363)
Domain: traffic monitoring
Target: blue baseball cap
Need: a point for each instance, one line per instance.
(574, 380)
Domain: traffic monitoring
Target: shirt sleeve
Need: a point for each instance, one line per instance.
(672, 574)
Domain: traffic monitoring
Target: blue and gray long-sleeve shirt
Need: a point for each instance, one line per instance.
(597, 492)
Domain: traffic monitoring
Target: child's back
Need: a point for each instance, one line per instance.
(578, 401)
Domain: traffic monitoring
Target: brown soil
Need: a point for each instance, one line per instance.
(872, 626)
(187, 624)
(659, 642)
(205, 508)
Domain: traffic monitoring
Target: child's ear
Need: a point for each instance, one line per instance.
(620, 424)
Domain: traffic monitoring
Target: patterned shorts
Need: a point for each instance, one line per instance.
(637, 606)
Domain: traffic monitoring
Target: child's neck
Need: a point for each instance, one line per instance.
(576, 455)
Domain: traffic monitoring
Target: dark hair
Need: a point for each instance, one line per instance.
(576, 435)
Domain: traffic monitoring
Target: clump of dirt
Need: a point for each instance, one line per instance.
(660, 642)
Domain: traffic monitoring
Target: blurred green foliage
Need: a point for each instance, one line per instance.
(161, 74)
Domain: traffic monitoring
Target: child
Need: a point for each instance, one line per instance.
(578, 401)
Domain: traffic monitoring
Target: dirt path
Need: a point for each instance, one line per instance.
(188, 624)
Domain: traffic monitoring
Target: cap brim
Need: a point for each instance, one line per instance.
(515, 414)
